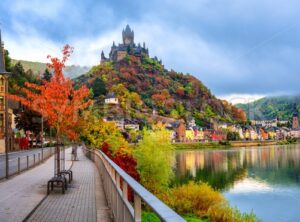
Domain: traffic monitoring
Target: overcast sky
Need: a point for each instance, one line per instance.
(240, 49)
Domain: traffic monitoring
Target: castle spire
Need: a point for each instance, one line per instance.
(128, 36)
(2, 60)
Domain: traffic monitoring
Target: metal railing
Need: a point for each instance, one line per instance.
(116, 183)
(25, 161)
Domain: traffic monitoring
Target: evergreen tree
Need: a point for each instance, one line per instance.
(7, 61)
(17, 77)
(47, 75)
(99, 87)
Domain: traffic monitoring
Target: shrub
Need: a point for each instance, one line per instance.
(194, 198)
(225, 213)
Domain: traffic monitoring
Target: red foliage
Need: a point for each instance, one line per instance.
(56, 100)
(125, 162)
(180, 91)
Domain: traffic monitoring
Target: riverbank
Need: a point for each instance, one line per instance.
(224, 145)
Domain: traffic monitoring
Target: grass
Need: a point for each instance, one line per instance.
(151, 217)
(184, 146)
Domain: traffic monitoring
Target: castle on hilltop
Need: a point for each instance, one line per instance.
(128, 47)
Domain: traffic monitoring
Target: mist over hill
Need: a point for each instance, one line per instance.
(38, 68)
(281, 107)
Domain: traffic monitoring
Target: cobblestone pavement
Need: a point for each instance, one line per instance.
(83, 201)
(22, 193)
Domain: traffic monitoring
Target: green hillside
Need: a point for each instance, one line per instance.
(281, 107)
(39, 68)
(143, 84)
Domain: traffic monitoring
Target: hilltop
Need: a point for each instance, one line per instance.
(281, 107)
(142, 84)
(38, 68)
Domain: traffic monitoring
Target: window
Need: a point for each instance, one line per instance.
(1, 121)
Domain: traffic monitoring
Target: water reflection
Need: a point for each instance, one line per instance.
(222, 168)
(265, 180)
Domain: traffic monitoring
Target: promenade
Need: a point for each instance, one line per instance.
(25, 195)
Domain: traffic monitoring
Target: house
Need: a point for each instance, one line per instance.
(295, 133)
(190, 135)
(250, 133)
(265, 123)
(191, 123)
(180, 130)
(111, 98)
(264, 134)
(118, 122)
(131, 125)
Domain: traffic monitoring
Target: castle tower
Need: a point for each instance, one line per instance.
(128, 36)
(295, 124)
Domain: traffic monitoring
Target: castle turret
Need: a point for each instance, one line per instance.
(128, 36)
(103, 58)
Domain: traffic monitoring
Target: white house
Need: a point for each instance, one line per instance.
(111, 98)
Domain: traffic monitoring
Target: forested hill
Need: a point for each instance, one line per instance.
(272, 107)
(37, 68)
(146, 85)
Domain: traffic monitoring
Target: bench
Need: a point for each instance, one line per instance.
(69, 173)
(60, 179)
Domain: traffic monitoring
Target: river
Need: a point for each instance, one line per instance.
(263, 179)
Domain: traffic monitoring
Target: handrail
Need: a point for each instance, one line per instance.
(140, 193)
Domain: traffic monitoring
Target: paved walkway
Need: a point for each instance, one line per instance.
(20, 194)
(83, 201)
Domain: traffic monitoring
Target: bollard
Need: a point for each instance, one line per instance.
(39, 158)
(27, 157)
(33, 159)
(19, 164)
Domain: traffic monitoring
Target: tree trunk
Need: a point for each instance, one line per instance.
(57, 153)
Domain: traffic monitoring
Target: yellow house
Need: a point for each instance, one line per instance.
(189, 135)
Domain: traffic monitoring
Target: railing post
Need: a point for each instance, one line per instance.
(118, 181)
(137, 208)
(27, 157)
(124, 190)
(19, 164)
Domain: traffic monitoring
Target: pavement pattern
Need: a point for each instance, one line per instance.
(84, 200)
(22, 193)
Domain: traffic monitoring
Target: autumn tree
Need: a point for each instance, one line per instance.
(56, 100)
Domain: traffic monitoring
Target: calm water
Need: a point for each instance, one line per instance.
(265, 180)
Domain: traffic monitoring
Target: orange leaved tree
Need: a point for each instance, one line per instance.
(56, 100)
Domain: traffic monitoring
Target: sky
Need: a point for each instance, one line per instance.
(242, 50)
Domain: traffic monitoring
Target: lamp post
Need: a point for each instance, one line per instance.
(6, 129)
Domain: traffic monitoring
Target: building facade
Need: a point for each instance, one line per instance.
(5, 116)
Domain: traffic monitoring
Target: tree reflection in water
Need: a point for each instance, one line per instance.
(223, 168)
